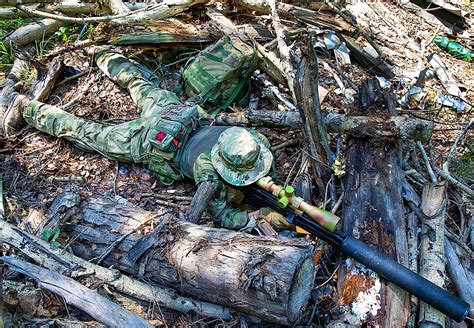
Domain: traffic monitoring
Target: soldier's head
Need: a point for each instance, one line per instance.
(239, 158)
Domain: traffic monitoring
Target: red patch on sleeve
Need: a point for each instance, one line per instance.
(175, 142)
(160, 136)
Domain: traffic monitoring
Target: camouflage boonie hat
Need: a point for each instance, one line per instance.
(239, 158)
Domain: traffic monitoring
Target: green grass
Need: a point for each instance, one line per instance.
(6, 26)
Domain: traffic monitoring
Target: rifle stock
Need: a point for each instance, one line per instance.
(389, 269)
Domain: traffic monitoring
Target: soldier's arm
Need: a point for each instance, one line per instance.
(219, 209)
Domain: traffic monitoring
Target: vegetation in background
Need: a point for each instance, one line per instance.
(6, 26)
(464, 166)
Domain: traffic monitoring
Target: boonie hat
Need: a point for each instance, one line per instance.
(240, 158)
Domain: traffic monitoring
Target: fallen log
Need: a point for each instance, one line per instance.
(68, 8)
(373, 212)
(64, 7)
(36, 30)
(458, 274)
(91, 302)
(267, 277)
(377, 127)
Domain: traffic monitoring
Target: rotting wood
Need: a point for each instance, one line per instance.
(58, 260)
(202, 197)
(306, 82)
(373, 213)
(266, 277)
(458, 274)
(45, 83)
(89, 301)
(377, 126)
(61, 209)
(432, 255)
(68, 7)
(2, 204)
(314, 18)
(412, 242)
(28, 299)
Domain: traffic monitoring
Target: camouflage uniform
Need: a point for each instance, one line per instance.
(132, 141)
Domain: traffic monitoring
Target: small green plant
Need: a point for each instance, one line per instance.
(6, 54)
(63, 33)
(51, 237)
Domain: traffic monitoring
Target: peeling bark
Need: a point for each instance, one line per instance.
(432, 256)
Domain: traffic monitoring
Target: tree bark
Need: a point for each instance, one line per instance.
(28, 33)
(373, 213)
(432, 256)
(306, 84)
(91, 302)
(377, 127)
(266, 277)
(458, 274)
(201, 198)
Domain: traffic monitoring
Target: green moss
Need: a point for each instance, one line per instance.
(464, 167)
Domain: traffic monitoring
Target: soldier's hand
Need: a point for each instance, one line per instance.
(277, 221)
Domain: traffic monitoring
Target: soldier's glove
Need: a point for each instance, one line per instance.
(277, 221)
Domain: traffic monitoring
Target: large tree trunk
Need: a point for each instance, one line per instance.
(267, 277)
(373, 212)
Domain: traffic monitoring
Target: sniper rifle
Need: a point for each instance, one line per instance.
(322, 224)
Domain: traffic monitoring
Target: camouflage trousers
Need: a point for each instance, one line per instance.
(127, 142)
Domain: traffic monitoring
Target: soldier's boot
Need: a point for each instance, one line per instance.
(12, 120)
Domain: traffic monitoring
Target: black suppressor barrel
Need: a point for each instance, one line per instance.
(389, 269)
